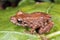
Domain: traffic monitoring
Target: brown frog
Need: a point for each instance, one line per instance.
(37, 21)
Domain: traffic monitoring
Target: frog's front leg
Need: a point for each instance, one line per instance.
(33, 29)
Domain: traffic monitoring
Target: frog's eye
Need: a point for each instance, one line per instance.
(19, 21)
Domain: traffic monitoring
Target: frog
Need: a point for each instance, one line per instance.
(39, 22)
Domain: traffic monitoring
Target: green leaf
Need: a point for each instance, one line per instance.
(12, 35)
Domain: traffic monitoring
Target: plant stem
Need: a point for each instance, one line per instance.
(49, 8)
(53, 34)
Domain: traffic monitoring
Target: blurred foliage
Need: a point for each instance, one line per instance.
(57, 1)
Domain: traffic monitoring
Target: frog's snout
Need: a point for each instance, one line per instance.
(13, 19)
